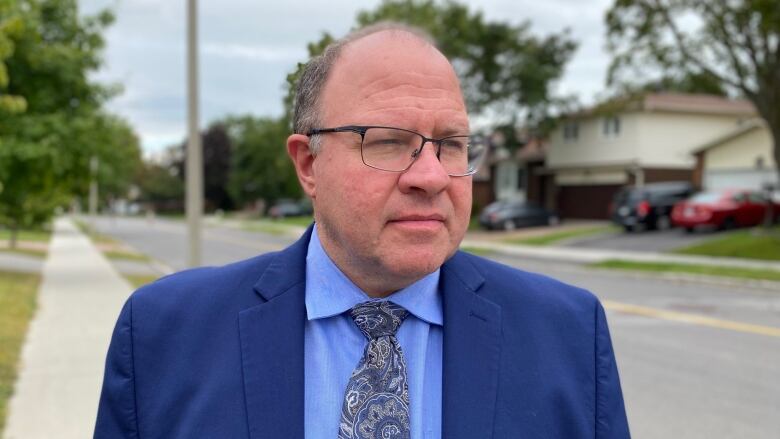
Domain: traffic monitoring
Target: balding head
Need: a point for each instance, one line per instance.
(384, 228)
(307, 113)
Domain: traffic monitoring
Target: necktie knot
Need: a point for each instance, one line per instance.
(378, 319)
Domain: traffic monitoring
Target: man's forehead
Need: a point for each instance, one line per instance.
(389, 70)
(389, 57)
(430, 85)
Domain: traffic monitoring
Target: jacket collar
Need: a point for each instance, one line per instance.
(472, 352)
(272, 347)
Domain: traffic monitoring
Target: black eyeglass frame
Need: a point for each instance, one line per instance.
(361, 129)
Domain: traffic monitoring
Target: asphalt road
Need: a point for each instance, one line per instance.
(683, 377)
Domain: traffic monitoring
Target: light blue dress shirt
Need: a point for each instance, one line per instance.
(334, 346)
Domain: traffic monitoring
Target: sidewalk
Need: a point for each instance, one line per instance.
(62, 361)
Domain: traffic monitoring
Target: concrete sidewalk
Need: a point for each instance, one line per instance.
(62, 361)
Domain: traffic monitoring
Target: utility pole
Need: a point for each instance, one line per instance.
(194, 203)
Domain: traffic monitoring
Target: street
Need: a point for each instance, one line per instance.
(683, 377)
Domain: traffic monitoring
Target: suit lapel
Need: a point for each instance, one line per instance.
(272, 347)
(472, 351)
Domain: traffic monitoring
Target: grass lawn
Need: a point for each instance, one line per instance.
(733, 272)
(754, 243)
(94, 236)
(26, 251)
(479, 251)
(18, 293)
(139, 280)
(474, 223)
(127, 256)
(279, 226)
(555, 237)
(26, 235)
(266, 227)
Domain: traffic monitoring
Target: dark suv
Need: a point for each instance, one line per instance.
(649, 206)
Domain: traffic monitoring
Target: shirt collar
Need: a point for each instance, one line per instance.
(329, 291)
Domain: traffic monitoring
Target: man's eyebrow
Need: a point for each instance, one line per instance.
(453, 131)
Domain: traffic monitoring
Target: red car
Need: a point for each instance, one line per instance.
(723, 210)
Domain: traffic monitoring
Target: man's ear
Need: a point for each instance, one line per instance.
(302, 158)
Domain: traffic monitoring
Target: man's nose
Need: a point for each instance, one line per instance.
(426, 173)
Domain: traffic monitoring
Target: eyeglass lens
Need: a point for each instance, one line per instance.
(395, 149)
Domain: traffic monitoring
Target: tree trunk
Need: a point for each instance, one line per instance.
(14, 235)
(774, 129)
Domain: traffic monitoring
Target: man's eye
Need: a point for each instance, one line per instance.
(454, 144)
(386, 141)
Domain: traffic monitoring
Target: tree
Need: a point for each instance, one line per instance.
(735, 41)
(116, 146)
(691, 83)
(501, 66)
(160, 185)
(217, 150)
(10, 28)
(51, 117)
(259, 168)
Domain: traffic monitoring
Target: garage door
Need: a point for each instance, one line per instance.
(586, 202)
(738, 179)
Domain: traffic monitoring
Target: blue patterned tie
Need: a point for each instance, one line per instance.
(376, 403)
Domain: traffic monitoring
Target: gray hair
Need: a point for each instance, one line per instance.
(306, 112)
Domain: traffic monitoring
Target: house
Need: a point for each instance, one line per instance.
(513, 174)
(741, 158)
(649, 138)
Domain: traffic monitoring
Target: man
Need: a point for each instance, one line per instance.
(372, 324)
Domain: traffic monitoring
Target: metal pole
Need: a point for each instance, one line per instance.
(194, 150)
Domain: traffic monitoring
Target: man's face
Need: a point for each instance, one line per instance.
(386, 230)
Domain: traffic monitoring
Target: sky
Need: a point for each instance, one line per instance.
(247, 48)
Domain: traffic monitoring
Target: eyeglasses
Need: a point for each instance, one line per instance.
(396, 149)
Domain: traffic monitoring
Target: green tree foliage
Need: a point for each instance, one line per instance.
(10, 28)
(501, 66)
(259, 167)
(736, 42)
(161, 185)
(51, 117)
(692, 83)
(118, 150)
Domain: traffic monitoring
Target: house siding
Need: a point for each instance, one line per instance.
(743, 152)
(667, 140)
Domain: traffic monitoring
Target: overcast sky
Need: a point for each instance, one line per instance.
(248, 47)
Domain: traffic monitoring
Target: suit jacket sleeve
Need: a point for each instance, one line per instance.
(117, 409)
(611, 422)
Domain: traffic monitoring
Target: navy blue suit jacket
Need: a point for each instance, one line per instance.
(219, 353)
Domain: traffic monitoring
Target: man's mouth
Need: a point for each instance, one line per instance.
(417, 222)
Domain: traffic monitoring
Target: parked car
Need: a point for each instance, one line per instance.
(511, 214)
(723, 210)
(649, 206)
(285, 208)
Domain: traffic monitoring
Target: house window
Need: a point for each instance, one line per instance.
(610, 126)
(571, 131)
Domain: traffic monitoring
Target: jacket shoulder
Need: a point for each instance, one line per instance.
(510, 286)
(204, 286)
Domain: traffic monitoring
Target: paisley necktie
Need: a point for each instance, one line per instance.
(376, 402)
